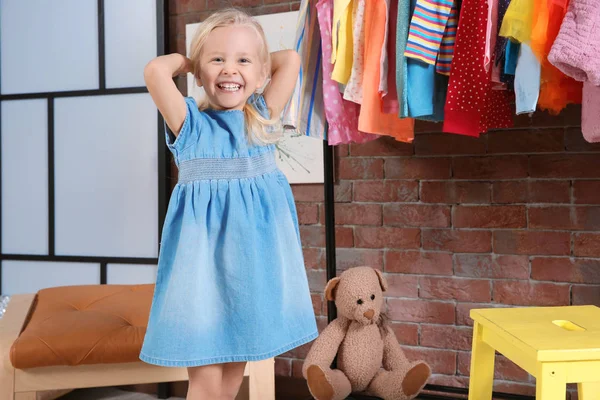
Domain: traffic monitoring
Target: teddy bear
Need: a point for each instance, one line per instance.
(364, 343)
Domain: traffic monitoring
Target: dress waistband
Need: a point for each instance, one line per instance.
(199, 169)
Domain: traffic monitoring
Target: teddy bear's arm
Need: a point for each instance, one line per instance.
(325, 347)
(393, 356)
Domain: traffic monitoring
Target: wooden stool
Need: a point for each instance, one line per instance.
(557, 345)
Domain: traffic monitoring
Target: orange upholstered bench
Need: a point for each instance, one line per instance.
(88, 336)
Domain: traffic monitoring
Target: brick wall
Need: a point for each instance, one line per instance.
(512, 218)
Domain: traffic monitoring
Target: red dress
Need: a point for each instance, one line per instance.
(472, 106)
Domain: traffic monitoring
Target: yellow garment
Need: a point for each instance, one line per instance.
(341, 41)
(518, 20)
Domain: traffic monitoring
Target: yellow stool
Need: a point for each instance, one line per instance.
(557, 345)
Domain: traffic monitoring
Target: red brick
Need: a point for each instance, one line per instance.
(564, 269)
(283, 366)
(357, 214)
(382, 147)
(585, 295)
(317, 302)
(314, 236)
(399, 214)
(491, 266)
(510, 192)
(387, 237)
(446, 337)
(438, 144)
(418, 262)
(312, 192)
(314, 258)
(459, 289)
(550, 218)
(549, 191)
(422, 127)
(463, 311)
(186, 6)
(360, 168)
(417, 168)
(499, 167)
(524, 389)
(308, 213)
(457, 240)
(526, 141)
(440, 361)
(400, 285)
(525, 293)
(489, 217)
(342, 150)
(574, 141)
(532, 242)
(455, 192)
(586, 245)
(348, 258)
(503, 368)
(587, 218)
(342, 192)
(565, 166)
(407, 334)
(317, 279)
(433, 312)
(295, 6)
(386, 191)
(586, 192)
(569, 116)
(449, 380)
(219, 4)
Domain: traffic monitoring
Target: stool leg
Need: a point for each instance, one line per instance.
(482, 367)
(551, 382)
(588, 391)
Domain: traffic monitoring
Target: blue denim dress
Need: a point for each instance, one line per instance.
(231, 283)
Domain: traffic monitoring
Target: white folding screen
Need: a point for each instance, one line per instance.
(82, 158)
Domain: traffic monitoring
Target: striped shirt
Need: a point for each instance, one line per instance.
(446, 53)
(427, 28)
(305, 112)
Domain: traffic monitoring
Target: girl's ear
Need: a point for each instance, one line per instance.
(198, 82)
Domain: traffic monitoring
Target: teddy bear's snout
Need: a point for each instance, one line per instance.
(369, 314)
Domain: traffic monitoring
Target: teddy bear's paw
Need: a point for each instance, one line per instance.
(318, 384)
(415, 379)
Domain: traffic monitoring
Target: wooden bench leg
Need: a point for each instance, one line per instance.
(25, 396)
(482, 367)
(261, 379)
(551, 382)
(588, 391)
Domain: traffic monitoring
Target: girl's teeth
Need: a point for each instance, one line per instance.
(230, 87)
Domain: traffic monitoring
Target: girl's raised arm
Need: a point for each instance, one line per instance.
(158, 75)
(285, 65)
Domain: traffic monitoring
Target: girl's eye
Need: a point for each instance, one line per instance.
(244, 60)
(217, 59)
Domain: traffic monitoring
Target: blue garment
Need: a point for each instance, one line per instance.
(527, 81)
(512, 54)
(231, 283)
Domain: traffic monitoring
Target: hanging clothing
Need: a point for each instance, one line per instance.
(372, 119)
(342, 115)
(512, 55)
(472, 107)
(341, 41)
(518, 20)
(304, 112)
(446, 53)
(527, 81)
(575, 52)
(491, 33)
(353, 90)
(427, 26)
(402, 26)
(390, 100)
(383, 58)
(556, 90)
(498, 75)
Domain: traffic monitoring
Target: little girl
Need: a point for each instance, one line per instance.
(231, 285)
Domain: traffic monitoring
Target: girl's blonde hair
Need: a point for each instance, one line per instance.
(256, 124)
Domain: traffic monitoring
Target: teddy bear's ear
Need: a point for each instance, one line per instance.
(382, 281)
(330, 288)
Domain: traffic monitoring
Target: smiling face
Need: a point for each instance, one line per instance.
(231, 66)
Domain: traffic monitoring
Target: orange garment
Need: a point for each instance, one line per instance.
(372, 119)
(556, 89)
